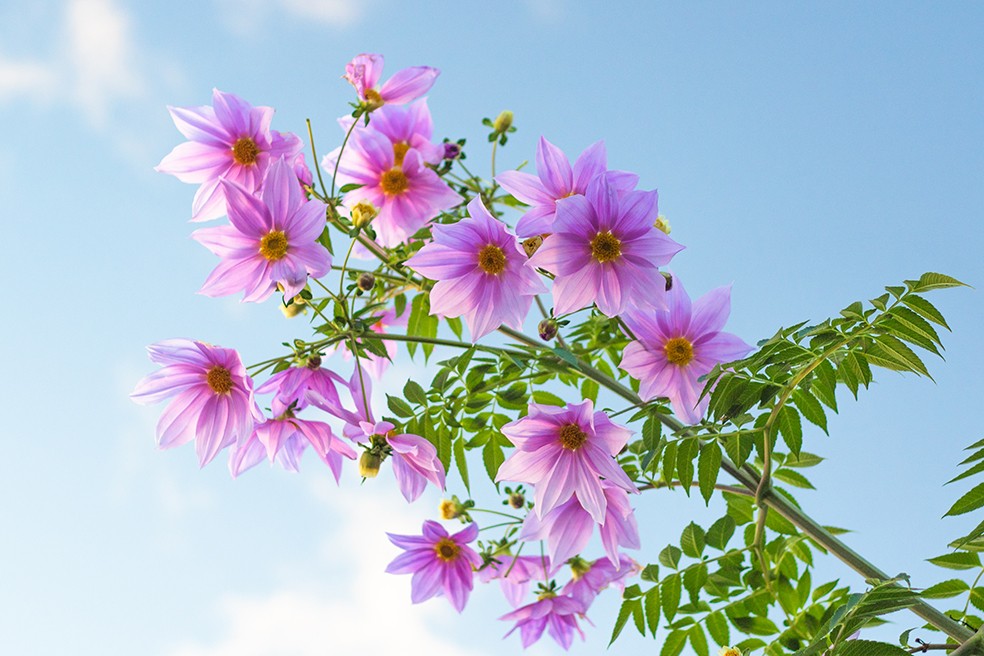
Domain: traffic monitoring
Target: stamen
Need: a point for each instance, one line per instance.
(273, 245)
(400, 149)
(446, 549)
(606, 247)
(219, 379)
(572, 437)
(245, 151)
(394, 182)
(373, 99)
(492, 259)
(679, 351)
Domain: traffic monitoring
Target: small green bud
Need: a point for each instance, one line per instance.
(503, 122)
(369, 464)
(366, 282)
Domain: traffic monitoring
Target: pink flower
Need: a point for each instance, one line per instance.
(230, 140)
(563, 451)
(405, 127)
(555, 613)
(272, 239)
(440, 563)
(364, 71)
(591, 578)
(283, 440)
(407, 193)
(556, 180)
(605, 250)
(297, 386)
(481, 273)
(415, 461)
(515, 574)
(213, 396)
(359, 387)
(568, 527)
(372, 364)
(676, 346)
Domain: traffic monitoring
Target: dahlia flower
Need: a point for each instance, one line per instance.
(284, 439)
(415, 461)
(364, 71)
(555, 613)
(440, 563)
(515, 573)
(591, 578)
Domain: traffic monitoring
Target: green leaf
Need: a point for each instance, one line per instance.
(674, 643)
(398, 406)
(694, 579)
(929, 281)
(972, 500)
(623, 617)
(717, 626)
(566, 356)
(925, 309)
(708, 467)
(461, 462)
(414, 393)
(546, 398)
(790, 428)
(807, 404)
(825, 384)
(804, 459)
(651, 432)
(686, 452)
(693, 540)
(637, 617)
(793, 478)
(669, 593)
(651, 604)
(720, 532)
(650, 573)
(352, 186)
(493, 457)
(670, 556)
(698, 640)
(869, 648)
(589, 390)
(762, 626)
(454, 323)
(421, 324)
(957, 560)
(945, 589)
(889, 352)
(917, 324)
(976, 469)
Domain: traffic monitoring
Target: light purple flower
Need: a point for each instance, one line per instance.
(563, 451)
(405, 127)
(272, 239)
(556, 613)
(364, 71)
(515, 573)
(605, 250)
(407, 193)
(440, 563)
(284, 439)
(676, 346)
(568, 527)
(415, 461)
(587, 584)
(301, 385)
(556, 180)
(213, 396)
(359, 387)
(481, 273)
(230, 140)
(372, 364)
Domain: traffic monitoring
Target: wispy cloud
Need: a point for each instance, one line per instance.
(26, 78)
(246, 17)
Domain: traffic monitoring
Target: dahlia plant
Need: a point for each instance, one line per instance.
(625, 387)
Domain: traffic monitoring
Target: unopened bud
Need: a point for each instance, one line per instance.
(547, 329)
(363, 213)
(662, 224)
(503, 122)
(579, 567)
(369, 464)
(517, 500)
(366, 282)
(449, 509)
(294, 309)
(669, 281)
(531, 245)
(452, 150)
(314, 362)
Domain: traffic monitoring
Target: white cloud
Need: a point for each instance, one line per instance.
(246, 17)
(329, 12)
(32, 79)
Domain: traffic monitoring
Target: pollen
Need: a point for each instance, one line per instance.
(245, 151)
(273, 245)
(446, 549)
(679, 351)
(373, 99)
(606, 247)
(394, 182)
(219, 379)
(492, 259)
(572, 437)
(400, 149)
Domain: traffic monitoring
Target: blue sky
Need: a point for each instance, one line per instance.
(809, 154)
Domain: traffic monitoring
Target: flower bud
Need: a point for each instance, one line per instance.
(314, 361)
(294, 309)
(366, 282)
(369, 464)
(503, 122)
(449, 509)
(547, 329)
(452, 150)
(669, 281)
(517, 500)
(579, 567)
(363, 213)
(662, 224)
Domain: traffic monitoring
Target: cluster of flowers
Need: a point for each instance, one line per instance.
(588, 227)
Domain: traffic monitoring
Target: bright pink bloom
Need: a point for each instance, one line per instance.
(406, 192)
(272, 239)
(676, 346)
(440, 563)
(302, 385)
(360, 391)
(213, 396)
(481, 273)
(283, 440)
(364, 71)
(605, 250)
(563, 451)
(556, 180)
(515, 574)
(600, 574)
(568, 527)
(405, 127)
(556, 613)
(230, 140)
(415, 460)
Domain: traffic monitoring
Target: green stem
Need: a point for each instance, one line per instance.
(437, 341)
(314, 156)
(341, 150)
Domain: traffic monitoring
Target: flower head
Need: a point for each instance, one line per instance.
(440, 563)
(283, 440)
(563, 451)
(481, 273)
(676, 346)
(556, 180)
(213, 396)
(272, 239)
(297, 386)
(230, 140)
(556, 613)
(364, 71)
(605, 250)
(415, 461)
(515, 573)
(591, 578)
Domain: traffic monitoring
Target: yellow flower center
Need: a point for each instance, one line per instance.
(373, 99)
(273, 245)
(245, 151)
(679, 351)
(606, 247)
(394, 182)
(219, 379)
(446, 549)
(572, 437)
(546, 594)
(448, 511)
(492, 259)
(400, 149)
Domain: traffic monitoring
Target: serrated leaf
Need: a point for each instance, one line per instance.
(930, 280)
(414, 393)
(454, 323)
(717, 626)
(825, 384)
(976, 469)
(698, 640)
(686, 452)
(669, 593)
(461, 462)
(398, 406)
(720, 532)
(945, 589)
(925, 309)
(810, 408)
(791, 429)
(670, 556)
(889, 352)
(651, 606)
(623, 617)
(972, 500)
(589, 390)
(650, 573)
(651, 432)
(916, 323)
(493, 457)
(692, 540)
(708, 467)
(957, 560)
(674, 643)
(637, 617)
(762, 626)
(421, 324)
(793, 478)
(546, 398)
(869, 648)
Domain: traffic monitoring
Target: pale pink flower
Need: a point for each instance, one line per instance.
(515, 573)
(364, 71)
(415, 461)
(556, 613)
(440, 563)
